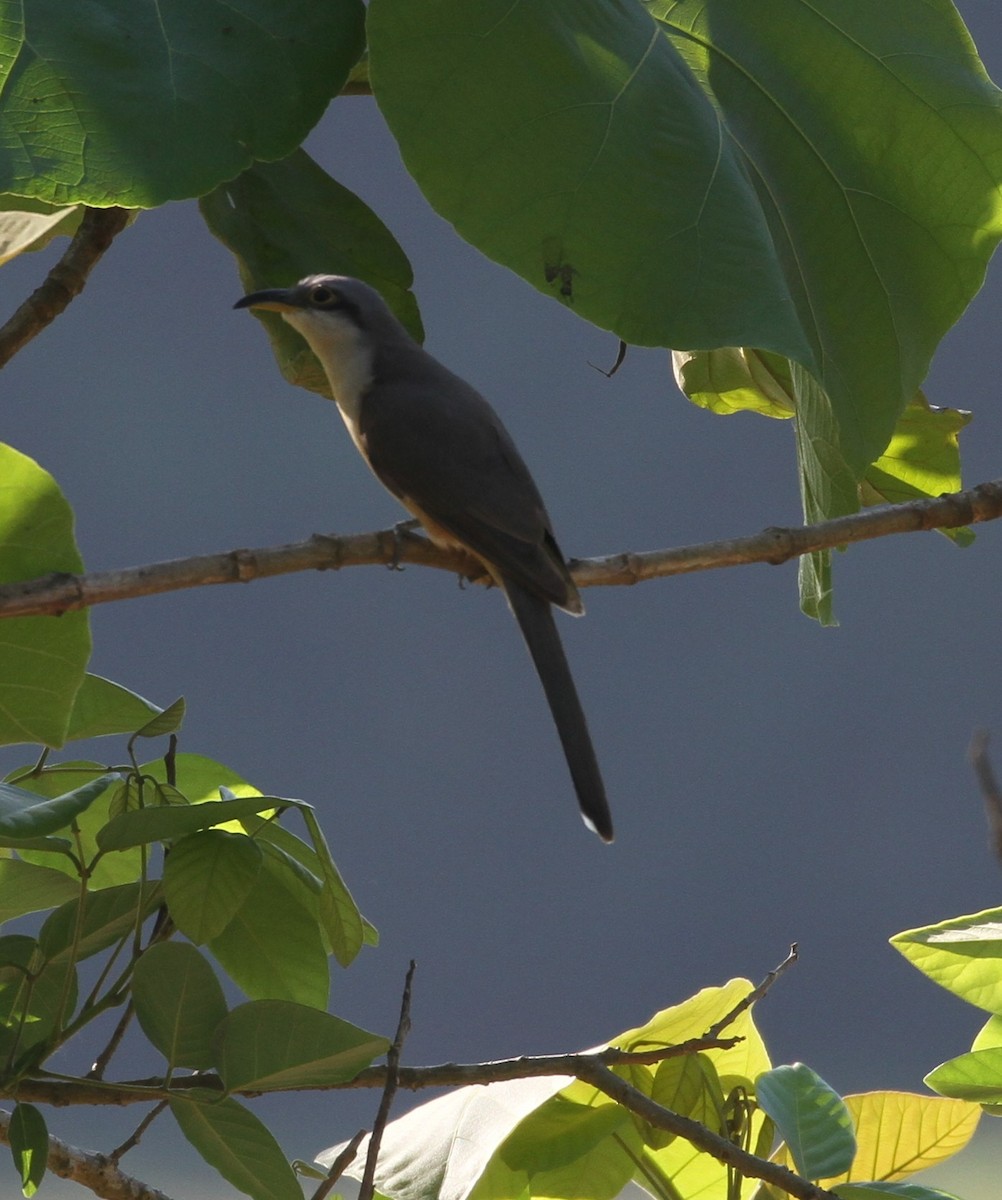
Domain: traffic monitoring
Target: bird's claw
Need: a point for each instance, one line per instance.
(399, 530)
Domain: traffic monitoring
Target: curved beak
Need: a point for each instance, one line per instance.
(275, 299)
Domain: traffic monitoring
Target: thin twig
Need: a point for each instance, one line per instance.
(94, 1171)
(98, 229)
(368, 1186)
(136, 1136)
(978, 754)
(53, 595)
(339, 1166)
(754, 995)
(102, 1060)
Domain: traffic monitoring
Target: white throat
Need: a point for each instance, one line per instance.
(344, 355)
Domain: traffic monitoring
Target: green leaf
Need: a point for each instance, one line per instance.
(891, 1191)
(23, 815)
(339, 913)
(166, 823)
(975, 1076)
(222, 82)
(44, 658)
(29, 1144)
(26, 888)
(34, 996)
(207, 877)
(899, 1133)
(688, 1085)
(201, 778)
(168, 721)
(659, 169)
(271, 1044)
(31, 224)
(811, 1117)
(239, 1146)
(108, 915)
(963, 955)
(989, 1035)
(272, 947)
(102, 707)
(287, 219)
(179, 1003)
(111, 869)
(733, 379)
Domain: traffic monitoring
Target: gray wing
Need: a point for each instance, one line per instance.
(444, 447)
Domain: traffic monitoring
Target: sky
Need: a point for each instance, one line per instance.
(771, 781)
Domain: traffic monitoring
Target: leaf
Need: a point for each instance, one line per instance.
(179, 1003)
(687, 1085)
(44, 659)
(207, 877)
(891, 1191)
(899, 1133)
(168, 721)
(283, 220)
(29, 1145)
(990, 1035)
(222, 83)
(922, 459)
(659, 170)
(733, 379)
(811, 1117)
(339, 913)
(963, 955)
(102, 707)
(271, 1044)
(107, 916)
(31, 224)
(239, 1146)
(975, 1076)
(34, 996)
(272, 948)
(167, 823)
(111, 869)
(23, 815)
(26, 888)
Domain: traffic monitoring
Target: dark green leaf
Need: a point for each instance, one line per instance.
(178, 1003)
(43, 659)
(288, 219)
(811, 1118)
(270, 1044)
(221, 82)
(239, 1146)
(29, 1144)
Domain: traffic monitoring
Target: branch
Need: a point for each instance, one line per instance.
(53, 595)
(98, 229)
(94, 1171)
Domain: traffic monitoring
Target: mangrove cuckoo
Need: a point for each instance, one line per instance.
(440, 448)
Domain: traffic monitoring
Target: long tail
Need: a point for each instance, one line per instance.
(535, 619)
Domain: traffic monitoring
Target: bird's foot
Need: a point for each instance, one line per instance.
(399, 530)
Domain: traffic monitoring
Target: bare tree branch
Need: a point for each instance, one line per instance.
(98, 229)
(52, 595)
(94, 1171)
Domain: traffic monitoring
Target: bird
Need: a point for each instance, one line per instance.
(439, 447)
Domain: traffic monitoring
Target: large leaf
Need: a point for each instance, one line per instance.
(975, 1076)
(81, 928)
(239, 1146)
(269, 1044)
(810, 1117)
(899, 1133)
(43, 657)
(179, 1003)
(164, 822)
(963, 955)
(288, 219)
(819, 180)
(111, 102)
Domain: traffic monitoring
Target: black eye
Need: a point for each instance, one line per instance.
(322, 296)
